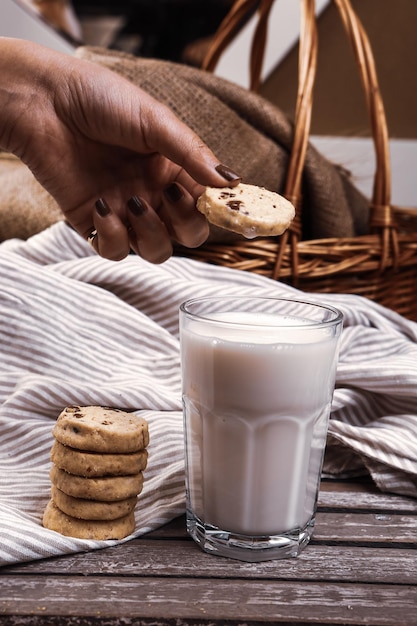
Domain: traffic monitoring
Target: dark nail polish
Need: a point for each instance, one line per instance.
(173, 192)
(102, 208)
(227, 173)
(136, 206)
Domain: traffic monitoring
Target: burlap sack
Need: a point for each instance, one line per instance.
(25, 207)
(245, 131)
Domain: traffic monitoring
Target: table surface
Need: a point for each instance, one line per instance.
(360, 568)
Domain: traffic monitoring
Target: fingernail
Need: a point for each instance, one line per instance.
(136, 206)
(173, 192)
(227, 173)
(102, 208)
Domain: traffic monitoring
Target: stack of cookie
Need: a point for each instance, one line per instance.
(98, 456)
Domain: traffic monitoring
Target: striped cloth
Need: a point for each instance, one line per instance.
(79, 329)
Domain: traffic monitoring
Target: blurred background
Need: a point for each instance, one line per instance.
(180, 31)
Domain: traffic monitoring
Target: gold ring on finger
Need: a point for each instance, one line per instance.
(92, 236)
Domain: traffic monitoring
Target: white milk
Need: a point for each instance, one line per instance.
(257, 407)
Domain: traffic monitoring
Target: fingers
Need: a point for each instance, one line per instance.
(147, 232)
(109, 235)
(148, 235)
(151, 233)
(185, 224)
(144, 232)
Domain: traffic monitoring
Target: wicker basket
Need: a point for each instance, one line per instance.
(382, 265)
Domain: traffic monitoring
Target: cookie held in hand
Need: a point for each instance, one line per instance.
(247, 209)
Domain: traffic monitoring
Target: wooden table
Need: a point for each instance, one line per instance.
(360, 568)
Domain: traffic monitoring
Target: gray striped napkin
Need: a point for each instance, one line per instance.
(79, 329)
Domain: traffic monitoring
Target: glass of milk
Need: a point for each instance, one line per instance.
(258, 379)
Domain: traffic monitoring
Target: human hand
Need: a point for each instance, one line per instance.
(118, 162)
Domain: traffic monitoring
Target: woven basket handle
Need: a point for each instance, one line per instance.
(229, 28)
(381, 214)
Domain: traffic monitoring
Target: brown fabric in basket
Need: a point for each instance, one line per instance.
(245, 131)
(25, 207)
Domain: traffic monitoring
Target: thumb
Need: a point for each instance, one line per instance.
(163, 132)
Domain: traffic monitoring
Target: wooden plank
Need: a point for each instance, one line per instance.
(207, 601)
(333, 496)
(362, 496)
(378, 526)
(367, 528)
(147, 558)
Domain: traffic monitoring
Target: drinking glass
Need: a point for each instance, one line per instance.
(258, 378)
